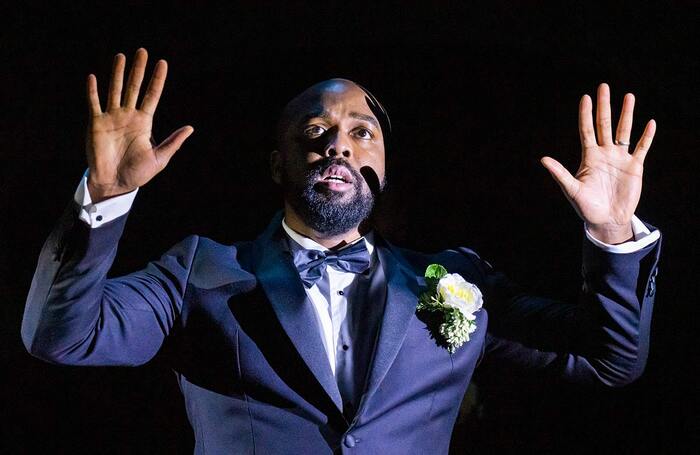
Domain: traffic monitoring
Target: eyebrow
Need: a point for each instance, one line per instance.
(366, 118)
(325, 115)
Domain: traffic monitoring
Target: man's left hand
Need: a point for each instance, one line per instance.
(608, 183)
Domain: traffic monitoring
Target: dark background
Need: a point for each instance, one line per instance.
(477, 94)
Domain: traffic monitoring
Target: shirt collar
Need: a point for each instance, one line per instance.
(311, 244)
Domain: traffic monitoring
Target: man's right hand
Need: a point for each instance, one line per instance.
(120, 154)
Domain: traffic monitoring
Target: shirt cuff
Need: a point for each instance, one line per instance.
(95, 215)
(643, 237)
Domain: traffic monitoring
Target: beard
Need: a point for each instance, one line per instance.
(326, 211)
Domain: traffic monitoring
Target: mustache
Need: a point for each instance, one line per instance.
(320, 166)
(365, 174)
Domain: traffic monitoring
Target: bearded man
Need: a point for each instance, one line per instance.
(320, 336)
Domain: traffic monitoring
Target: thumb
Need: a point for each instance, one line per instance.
(166, 149)
(567, 182)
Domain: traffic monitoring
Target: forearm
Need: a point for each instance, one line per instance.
(617, 299)
(63, 305)
(603, 338)
(75, 315)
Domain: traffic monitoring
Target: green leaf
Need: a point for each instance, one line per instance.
(435, 272)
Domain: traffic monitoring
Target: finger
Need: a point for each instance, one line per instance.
(603, 117)
(115, 84)
(566, 181)
(93, 97)
(644, 144)
(138, 68)
(169, 146)
(624, 127)
(155, 87)
(585, 122)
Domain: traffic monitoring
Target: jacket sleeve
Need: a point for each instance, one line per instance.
(74, 315)
(603, 338)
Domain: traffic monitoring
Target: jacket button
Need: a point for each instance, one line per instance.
(349, 441)
(652, 289)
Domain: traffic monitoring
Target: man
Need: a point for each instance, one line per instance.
(308, 339)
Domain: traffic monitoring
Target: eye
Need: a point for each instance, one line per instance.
(364, 133)
(314, 131)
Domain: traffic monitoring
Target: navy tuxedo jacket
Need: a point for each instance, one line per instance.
(240, 334)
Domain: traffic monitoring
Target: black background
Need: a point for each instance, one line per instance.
(477, 94)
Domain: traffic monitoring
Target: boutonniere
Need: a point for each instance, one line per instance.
(452, 301)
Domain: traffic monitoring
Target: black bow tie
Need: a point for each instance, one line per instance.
(311, 264)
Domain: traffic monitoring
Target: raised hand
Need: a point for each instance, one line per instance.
(120, 154)
(607, 186)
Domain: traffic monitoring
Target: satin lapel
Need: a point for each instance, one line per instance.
(280, 281)
(401, 301)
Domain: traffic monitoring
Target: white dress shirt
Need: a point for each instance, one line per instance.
(344, 312)
(329, 296)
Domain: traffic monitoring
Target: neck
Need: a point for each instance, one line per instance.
(329, 241)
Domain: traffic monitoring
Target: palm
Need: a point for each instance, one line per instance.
(120, 153)
(126, 151)
(607, 186)
(610, 183)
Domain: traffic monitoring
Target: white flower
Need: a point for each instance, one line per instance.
(456, 299)
(458, 293)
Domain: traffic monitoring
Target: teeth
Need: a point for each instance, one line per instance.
(333, 177)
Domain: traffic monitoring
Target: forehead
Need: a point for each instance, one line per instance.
(333, 97)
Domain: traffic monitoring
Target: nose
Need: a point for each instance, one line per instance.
(338, 145)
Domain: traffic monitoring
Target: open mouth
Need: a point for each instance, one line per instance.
(337, 176)
(337, 173)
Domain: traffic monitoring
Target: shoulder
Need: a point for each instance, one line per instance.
(460, 260)
(214, 264)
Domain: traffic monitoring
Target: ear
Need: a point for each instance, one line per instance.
(276, 166)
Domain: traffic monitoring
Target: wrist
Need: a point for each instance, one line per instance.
(611, 234)
(100, 192)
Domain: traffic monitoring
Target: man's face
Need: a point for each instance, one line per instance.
(331, 162)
